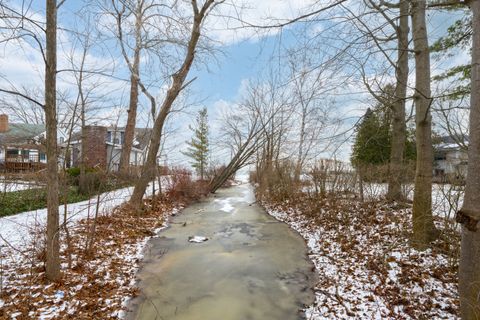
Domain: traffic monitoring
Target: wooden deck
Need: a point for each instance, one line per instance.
(16, 166)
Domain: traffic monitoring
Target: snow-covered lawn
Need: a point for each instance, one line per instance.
(366, 267)
(10, 186)
(96, 282)
(18, 229)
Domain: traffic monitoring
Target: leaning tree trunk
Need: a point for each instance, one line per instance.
(469, 215)
(52, 244)
(399, 130)
(423, 228)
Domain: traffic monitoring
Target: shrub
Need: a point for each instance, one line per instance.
(73, 172)
(184, 188)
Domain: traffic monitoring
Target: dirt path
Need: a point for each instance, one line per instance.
(252, 266)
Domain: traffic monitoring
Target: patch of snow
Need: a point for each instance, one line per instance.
(226, 206)
(197, 239)
(11, 186)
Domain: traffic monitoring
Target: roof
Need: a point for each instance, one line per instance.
(452, 143)
(21, 133)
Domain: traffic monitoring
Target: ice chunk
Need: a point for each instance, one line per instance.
(197, 239)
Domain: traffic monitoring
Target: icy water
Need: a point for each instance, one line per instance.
(252, 267)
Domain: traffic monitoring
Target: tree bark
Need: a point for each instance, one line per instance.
(399, 129)
(132, 107)
(53, 246)
(469, 215)
(423, 228)
(300, 160)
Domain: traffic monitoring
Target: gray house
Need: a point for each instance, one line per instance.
(450, 159)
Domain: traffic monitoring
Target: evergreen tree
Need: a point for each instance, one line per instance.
(373, 139)
(372, 142)
(198, 149)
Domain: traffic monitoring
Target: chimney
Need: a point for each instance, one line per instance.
(3, 123)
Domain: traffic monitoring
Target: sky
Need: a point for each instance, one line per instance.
(243, 55)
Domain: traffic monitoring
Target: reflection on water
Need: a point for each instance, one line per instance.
(252, 267)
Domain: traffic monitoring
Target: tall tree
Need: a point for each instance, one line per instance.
(198, 149)
(20, 26)
(469, 215)
(423, 228)
(177, 85)
(53, 231)
(392, 28)
(138, 8)
(399, 128)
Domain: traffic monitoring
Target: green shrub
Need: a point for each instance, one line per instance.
(73, 172)
(33, 199)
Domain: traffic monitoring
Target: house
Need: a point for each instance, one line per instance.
(22, 145)
(104, 147)
(450, 159)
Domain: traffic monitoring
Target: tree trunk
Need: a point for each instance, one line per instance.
(130, 127)
(399, 130)
(53, 246)
(299, 164)
(469, 215)
(423, 228)
(132, 108)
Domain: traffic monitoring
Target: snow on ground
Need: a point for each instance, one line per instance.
(119, 248)
(15, 230)
(10, 186)
(446, 198)
(228, 204)
(366, 267)
(225, 205)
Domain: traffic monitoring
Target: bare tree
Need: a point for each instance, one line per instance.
(399, 129)
(310, 83)
(244, 133)
(53, 243)
(177, 85)
(381, 38)
(20, 26)
(423, 228)
(29, 112)
(469, 214)
(138, 9)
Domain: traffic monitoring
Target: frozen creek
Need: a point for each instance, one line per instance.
(251, 267)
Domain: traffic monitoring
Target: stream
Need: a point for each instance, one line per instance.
(251, 267)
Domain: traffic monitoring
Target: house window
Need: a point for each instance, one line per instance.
(13, 152)
(42, 156)
(122, 137)
(109, 136)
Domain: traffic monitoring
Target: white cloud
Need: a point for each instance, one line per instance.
(231, 21)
